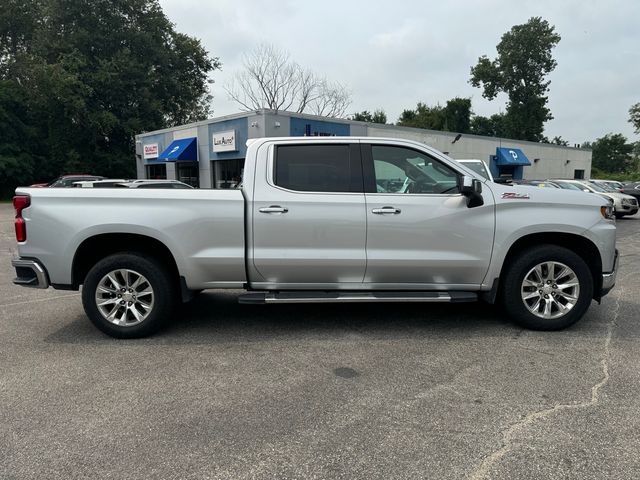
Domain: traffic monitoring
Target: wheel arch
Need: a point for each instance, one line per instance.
(95, 248)
(579, 244)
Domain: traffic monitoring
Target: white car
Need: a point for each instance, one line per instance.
(154, 184)
(609, 185)
(104, 183)
(478, 166)
(623, 204)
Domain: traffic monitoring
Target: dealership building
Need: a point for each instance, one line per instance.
(210, 153)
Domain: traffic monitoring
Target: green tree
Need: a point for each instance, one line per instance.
(612, 154)
(634, 116)
(558, 140)
(423, 116)
(378, 116)
(493, 126)
(520, 69)
(455, 116)
(86, 76)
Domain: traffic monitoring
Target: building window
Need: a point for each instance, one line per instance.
(578, 174)
(227, 173)
(156, 172)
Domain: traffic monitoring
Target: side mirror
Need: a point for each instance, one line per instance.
(472, 189)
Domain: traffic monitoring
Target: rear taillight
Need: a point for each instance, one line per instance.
(20, 202)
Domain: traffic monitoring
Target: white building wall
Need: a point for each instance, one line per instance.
(171, 171)
(204, 165)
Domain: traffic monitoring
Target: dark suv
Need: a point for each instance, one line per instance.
(632, 189)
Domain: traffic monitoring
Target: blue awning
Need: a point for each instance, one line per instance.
(185, 149)
(511, 156)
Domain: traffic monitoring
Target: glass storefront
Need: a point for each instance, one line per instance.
(188, 173)
(226, 173)
(156, 172)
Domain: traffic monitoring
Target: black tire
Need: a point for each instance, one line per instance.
(156, 275)
(619, 215)
(514, 275)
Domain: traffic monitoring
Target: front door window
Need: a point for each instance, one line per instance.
(401, 170)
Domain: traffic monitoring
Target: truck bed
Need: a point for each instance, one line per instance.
(203, 229)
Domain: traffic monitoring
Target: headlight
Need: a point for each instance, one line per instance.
(607, 212)
(626, 201)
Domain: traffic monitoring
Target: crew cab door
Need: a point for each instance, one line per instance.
(420, 233)
(309, 217)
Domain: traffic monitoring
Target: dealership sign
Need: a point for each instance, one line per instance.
(224, 141)
(150, 151)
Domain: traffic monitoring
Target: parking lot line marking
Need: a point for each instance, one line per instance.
(39, 300)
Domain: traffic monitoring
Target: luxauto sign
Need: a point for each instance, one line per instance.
(150, 150)
(224, 141)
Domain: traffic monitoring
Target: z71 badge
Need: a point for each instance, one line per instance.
(514, 195)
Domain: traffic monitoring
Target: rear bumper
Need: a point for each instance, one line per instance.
(609, 279)
(30, 273)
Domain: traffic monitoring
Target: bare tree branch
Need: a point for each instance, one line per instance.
(271, 80)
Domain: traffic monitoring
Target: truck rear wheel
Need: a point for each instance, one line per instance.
(128, 295)
(547, 287)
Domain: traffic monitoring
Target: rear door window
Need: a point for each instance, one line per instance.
(319, 168)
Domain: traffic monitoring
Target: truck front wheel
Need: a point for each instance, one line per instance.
(547, 287)
(128, 295)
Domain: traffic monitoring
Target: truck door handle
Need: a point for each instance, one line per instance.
(386, 210)
(273, 209)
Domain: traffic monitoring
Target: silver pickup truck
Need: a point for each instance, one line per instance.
(335, 219)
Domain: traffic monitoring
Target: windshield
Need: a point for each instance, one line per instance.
(568, 186)
(595, 187)
(607, 187)
(477, 167)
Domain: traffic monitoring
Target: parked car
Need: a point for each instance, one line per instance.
(155, 184)
(66, 181)
(632, 189)
(323, 219)
(105, 183)
(537, 183)
(609, 185)
(623, 204)
(574, 186)
(478, 166)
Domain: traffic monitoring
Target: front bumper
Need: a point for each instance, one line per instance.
(609, 279)
(30, 273)
(628, 208)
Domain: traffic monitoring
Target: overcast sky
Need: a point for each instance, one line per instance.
(392, 54)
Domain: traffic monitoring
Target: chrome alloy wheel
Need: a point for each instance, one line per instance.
(124, 297)
(550, 290)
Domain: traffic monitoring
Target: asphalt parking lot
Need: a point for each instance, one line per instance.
(341, 391)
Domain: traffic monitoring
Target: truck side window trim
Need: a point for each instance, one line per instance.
(355, 181)
(369, 175)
